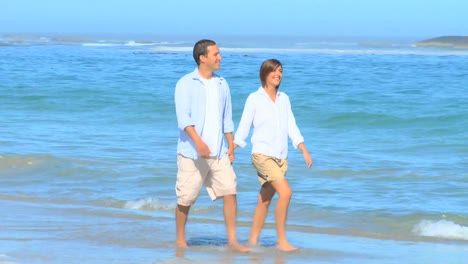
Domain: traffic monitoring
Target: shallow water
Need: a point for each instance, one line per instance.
(87, 154)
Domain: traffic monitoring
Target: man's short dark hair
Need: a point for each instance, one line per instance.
(201, 48)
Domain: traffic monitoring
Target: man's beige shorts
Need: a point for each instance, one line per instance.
(217, 175)
(269, 169)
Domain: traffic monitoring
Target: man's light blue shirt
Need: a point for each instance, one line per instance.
(190, 103)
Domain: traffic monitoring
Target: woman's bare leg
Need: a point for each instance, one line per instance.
(264, 199)
(284, 196)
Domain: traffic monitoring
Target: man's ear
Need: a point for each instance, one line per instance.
(202, 58)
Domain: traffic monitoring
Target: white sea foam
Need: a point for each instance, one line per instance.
(134, 43)
(171, 49)
(363, 51)
(148, 204)
(442, 229)
(131, 43)
(100, 44)
(3, 256)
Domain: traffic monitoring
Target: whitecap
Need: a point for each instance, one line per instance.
(147, 204)
(442, 229)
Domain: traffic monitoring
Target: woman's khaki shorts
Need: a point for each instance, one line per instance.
(269, 169)
(217, 175)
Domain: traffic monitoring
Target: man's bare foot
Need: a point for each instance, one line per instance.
(238, 247)
(180, 252)
(181, 244)
(286, 247)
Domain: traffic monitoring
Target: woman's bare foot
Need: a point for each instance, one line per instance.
(286, 247)
(239, 248)
(252, 244)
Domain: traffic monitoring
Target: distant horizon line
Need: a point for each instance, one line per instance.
(224, 36)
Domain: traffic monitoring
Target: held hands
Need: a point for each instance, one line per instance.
(231, 153)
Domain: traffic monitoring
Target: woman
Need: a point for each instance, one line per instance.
(269, 110)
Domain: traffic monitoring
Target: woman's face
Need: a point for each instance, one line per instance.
(274, 78)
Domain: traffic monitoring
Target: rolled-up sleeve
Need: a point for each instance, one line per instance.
(293, 131)
(182, 104)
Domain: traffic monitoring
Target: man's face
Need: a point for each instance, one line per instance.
(213, 58)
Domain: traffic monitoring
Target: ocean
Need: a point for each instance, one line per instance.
(88, 152)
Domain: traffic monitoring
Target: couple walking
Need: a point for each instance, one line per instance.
(206, 144)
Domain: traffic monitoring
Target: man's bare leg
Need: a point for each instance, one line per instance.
(284, 192)
(264, 199)
(230, 217)
(181, 220)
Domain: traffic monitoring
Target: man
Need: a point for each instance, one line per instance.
(204, 114)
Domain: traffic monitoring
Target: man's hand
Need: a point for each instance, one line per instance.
(203, 149)
(231, 154)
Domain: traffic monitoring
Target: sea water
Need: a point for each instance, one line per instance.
(88, 152)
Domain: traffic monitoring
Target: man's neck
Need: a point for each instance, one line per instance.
(204, 73)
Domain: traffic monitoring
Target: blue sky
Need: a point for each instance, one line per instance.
(380, 18)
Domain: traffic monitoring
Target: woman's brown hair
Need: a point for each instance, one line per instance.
(267, 67)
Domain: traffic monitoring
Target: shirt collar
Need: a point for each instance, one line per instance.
(196, 76)
(262, 91)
